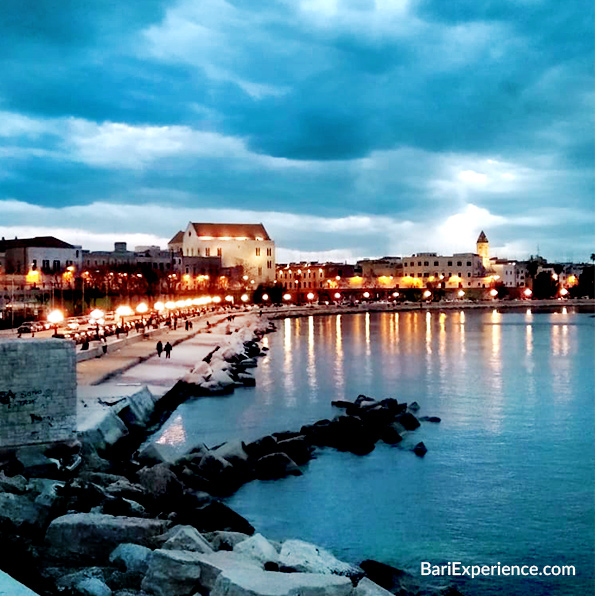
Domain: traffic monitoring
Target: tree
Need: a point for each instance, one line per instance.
(544, 286)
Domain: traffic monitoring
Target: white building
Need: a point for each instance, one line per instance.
(245, 246)
(42, 254)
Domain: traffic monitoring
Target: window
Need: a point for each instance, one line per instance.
(258, 252)
(459, 263)
(469, 274)
(269, 252)
(34, 265)
(207, 252)
(450, 263)
(260, 271)
(436, 263)
(419, 263)
(426, 263)
(219, 252)
(468, 263)
(56, 266)
(270, 265)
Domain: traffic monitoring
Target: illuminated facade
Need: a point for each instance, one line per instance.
(316, 276)
(458, 270)
(239, 246)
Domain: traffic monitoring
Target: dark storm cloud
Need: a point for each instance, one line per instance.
(416, 110)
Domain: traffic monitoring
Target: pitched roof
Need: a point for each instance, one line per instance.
(178, 238)
(37, 242)
(482, 237)
(231, 230)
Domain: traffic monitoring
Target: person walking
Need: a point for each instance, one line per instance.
(167, 349)
(159, 348)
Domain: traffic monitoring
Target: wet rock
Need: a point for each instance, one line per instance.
(21, 513)
(186, 538)
(217, 516)
(46, 492)
(127, 490)
(297, 448)
(125, 507)
(234, 452)
(87, 582)
(420, 449)
(212, 465)
(247, 379)
(286, 434)
(389, 578)
(366, 587)
(348, 433)
(304, 557)
(34, 463)
(434, 419)
(274, 466)
(408, 421)
(257, 547)
(172, 572)
(221, 540)
(414, 406)
(339, 403)
(82, 537)
(390, 435)
(244, 582)
(261, 447)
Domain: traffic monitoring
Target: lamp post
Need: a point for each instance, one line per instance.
(55, 317)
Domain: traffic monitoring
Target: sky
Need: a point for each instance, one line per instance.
(349, 128)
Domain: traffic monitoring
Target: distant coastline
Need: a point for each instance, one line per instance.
(317, 309)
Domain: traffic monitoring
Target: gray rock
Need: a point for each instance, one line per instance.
(212, 565)
(172, 572)
(35, 463)
(93, 536)
(187, 538)
(12, 484)
(366, 587)
(87, 582)
(274, 466)
(19, 511)
(244, 582)
(132, 558)
(309, 558)
(257, 547)
(221, 540)
(47, 492)
(161, 483)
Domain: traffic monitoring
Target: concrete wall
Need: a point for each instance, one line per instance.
(37, 391)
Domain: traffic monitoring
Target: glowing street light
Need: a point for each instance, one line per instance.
(217, 299)
(55, 317)
(286, 296)
(528, 293)
(228, 298)
(142, 308)
(97, 314)
(159, 306)
(244, 297)
(460, 293)
(563, 292)
(310, 296)
(366, 294)
(124, 311)
(395, 294)
(170, 305)
(265, 297)
(337, 296)
(493, 293)
(427, 294)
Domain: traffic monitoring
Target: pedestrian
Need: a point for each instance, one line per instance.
(159, 348)
(167, 349)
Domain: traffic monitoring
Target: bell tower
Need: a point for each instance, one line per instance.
(483, 250)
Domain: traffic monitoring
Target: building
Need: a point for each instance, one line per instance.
(390, 267)
(39, 255)
(512, 274)
(245, 249)
(459, 270)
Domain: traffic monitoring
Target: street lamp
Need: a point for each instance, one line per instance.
(528, 293)
(265, 297)
(286, 296)
(142, 308)
(493, 293)
(244, 297)
(310, 296)
(460, 293)
(427, 294)
(55, 317)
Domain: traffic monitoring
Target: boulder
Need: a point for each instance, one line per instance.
(247, 379)
(131, 558)
(125, 507)
(233, 452)
(297, 448)
(339, 403)
(301, 556)
(366, 587)
(217, 516)
(212, 565)
(348, 433)
(125, 489)
(222, 540)
(212, 465)
(391, 435)
(34, 463)
(172, 572)
(187, 538)
(274, 466)
(420, 449)
(12, 484)
(80, 537)
(389, 578)
(85, 582)
(21, 513)
(408, 421)
(257, 547)
(434, 419)
(414, 406)
(244, 582)
(161, 483)
(261, 447)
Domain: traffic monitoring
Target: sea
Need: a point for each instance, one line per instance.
(509, 477)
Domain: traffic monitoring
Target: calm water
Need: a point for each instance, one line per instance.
(509, 476)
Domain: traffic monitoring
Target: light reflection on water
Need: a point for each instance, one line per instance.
(508, 476)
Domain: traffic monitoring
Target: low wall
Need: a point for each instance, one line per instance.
(37, 391)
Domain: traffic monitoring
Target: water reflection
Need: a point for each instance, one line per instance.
(174, 434)
(339, 374)
(311, 369)
(288, 381)
(428, 333)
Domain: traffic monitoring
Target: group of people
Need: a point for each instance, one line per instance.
(161, 348)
